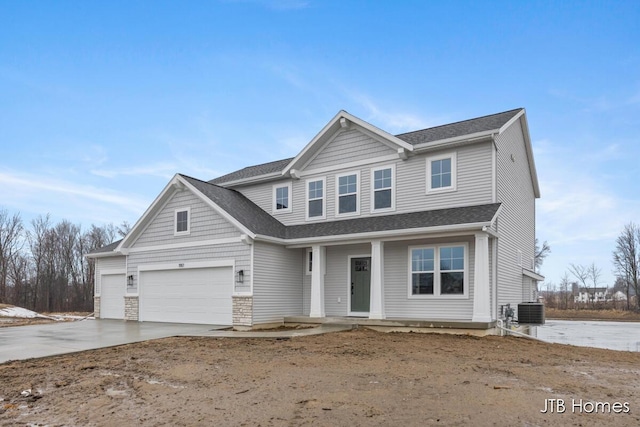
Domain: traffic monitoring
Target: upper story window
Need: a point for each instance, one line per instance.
(441, 173)
(347, 194)
(438, 271)
(316, 198)
(282, 198)
(383, 189)
(182, 221)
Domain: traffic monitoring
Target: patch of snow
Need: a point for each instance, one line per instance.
(19, 312)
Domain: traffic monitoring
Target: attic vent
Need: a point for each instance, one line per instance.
(531, 313)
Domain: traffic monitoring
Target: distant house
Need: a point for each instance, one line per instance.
(436, 224)
(619, 296)
(586, 294)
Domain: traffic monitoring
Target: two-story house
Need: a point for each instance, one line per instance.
(434, 225)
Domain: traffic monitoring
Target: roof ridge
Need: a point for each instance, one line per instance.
(460, 121)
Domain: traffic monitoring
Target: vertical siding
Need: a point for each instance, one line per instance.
(277, 286)
(396, 285)
(516, 223)
(109, 263)
(347, 146)
(205, 223)
(336, 279)
(239, 252)
(474, 186)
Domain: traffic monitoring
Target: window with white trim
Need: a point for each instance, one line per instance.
(441, 173)
(309, 262)
(182, 221)
(383, 189)
(438, 271)
(282, 198)
(347, 194)
(316, 198)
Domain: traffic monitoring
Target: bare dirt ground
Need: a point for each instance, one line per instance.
(355, 378)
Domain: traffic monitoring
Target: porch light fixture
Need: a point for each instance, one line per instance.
(240, 276)
(130, 281)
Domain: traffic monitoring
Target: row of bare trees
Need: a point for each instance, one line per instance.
(43, 267)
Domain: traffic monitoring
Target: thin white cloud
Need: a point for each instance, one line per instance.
(162, 170)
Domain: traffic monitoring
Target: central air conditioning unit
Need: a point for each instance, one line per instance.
(531, 313)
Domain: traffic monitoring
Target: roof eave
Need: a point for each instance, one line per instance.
(457, 140)
(529, 148)
(252, 180)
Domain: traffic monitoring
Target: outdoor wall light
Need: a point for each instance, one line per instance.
(240, 276)
(130, 281)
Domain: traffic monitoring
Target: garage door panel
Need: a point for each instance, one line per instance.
(200, 295)
(112, 296)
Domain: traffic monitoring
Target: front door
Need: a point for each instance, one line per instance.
(360, 284)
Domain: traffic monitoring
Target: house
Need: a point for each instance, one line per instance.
(598, 294)
(435, 225)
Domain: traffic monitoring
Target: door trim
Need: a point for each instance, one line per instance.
(349, 312)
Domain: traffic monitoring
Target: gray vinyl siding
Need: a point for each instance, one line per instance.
(108, 263)
(396, 285)
(336, 279)
(516, 223)
(205, 223)
(239, 252)
(277, 285)
(348, 146)
(474, 186)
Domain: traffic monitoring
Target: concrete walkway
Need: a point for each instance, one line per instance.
(32, 341)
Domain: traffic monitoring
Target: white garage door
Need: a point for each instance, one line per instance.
(195, 295)
(112, 296)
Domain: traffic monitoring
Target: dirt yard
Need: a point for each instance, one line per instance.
(350, 378)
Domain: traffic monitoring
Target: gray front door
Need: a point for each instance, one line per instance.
(360, 284)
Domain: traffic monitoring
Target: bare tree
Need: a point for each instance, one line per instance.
(541, 252)
(626, 259)
(124, 228)
(11, 240)
(588, 277)
(565, 292)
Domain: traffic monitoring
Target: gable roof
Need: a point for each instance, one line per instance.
(485, 125)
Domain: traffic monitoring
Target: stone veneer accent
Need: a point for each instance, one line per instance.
(96, 307)
(242, 311)
(131, 308)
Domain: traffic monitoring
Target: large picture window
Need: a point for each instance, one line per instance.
(438, 271)
(348, 197)
(441, 173)
(316, 199)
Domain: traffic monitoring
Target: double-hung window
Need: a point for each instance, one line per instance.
(316, 198)
(441, 173)
(182, 221)
(438, 271)
(347, 194)
(383, 193)
(282, 198)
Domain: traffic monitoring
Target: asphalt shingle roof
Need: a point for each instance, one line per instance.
(109, 248)
(437, 133)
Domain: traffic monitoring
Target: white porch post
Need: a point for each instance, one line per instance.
(319, 254)
(481, 300)
(376, 303)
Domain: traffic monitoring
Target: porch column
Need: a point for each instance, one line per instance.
(481, 289)
(318, 255)
(376, 302)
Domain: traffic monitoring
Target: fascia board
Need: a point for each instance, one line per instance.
(217, 208)
(104, 254)
(469, 138)
(532, 274)
(252, 180)
(147, 216)
(371, 128)
(386, 234)
(530, 159)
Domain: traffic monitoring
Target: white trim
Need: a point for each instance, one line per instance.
(274, 204)
(242, 294)
(192, 244)
(187, 265)
(436, 271)
(372, 198)
(532, 274)
(175, 221)
(350, 165)
(454, 172)
(494, 173)
(324, 199)
(252, 255)
(337, 177)
(519, 258)
(308, 253)
(357, 313)
(472, 137)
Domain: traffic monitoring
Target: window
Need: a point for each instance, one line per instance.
(181, 220)
(383, 194)
(348, 197)
(316, 199)
(309, 262)
(438, 271)
(441, 173)
(282, 198)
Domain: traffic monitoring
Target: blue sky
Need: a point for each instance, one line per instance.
(101, 103)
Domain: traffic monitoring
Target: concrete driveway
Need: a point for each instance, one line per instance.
(26, 342)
